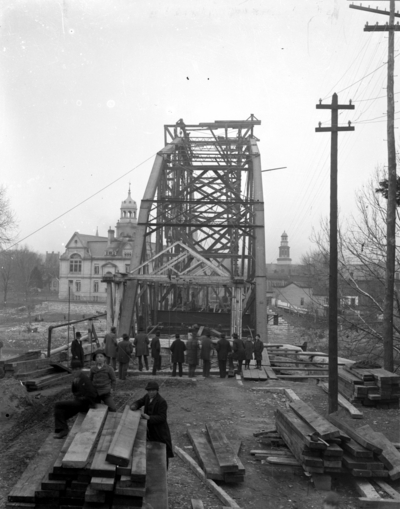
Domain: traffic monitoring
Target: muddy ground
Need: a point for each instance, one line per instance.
(237, 408)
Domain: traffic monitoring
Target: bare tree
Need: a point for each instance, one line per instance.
(8, 222)
(6, 273)
(25, 262)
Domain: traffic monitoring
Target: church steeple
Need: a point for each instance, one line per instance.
(128, 220)
(284, 250)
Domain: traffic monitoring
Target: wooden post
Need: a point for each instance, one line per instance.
(110, 311)
(333, 255)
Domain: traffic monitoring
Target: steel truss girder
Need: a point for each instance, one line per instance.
(205, 191)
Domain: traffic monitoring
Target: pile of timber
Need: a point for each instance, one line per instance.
(217, 456)
(370, 387)
(105, 461)
(36, 377)
(324, 446)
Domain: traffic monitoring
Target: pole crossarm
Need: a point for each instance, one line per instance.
(376, 11)
(332, 129)
(382, 28)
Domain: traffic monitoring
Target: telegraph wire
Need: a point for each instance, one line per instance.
(82, 202)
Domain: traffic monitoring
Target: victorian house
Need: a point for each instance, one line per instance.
(88, 258)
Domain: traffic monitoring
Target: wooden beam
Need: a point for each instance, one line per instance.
(353, 411)
(120, 449)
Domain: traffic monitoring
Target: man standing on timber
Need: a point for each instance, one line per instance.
(124, 353)
(192, 353)
(155, 412)
(77, 350)
(223, 348)
(177, 348)
(205, 355)
(258, 350)
(84, 398)
(103, 378)
(155, 348)
(110, 348)
(141, 344)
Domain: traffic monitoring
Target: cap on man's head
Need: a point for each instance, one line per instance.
(158, 333)
(76, 364)
(222, 336)
(96, 353)
(125, 336)
(113, 329)
(234, 335)
(78, 334)
(177, 336)
(152, 386)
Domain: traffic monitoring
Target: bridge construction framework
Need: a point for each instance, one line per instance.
(200, 241)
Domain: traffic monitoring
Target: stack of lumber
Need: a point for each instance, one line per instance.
(323, 446)
(254, 374)
(217, 456)
(105, 461)
(370, 387)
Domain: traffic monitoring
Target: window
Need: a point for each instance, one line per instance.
(127, 267)
(97, 269)
(302, 301)
(77, 286)
(96, 298)
(96, 287)
(70, 282)
(75, 263)
(127, 254)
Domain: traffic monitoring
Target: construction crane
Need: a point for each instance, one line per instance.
(199, 251)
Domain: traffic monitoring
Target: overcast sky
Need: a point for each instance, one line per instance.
(87, 86)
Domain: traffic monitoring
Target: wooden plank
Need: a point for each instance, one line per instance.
(156, 479)
(196, 504)
(218, 492)
(102, 483)
(323, 427)
(205, 454)
(298, 428)
(291, 395)
(279, 390)
(82, 445)
(388, 489)
(37, 469)
(357, 450)
(361, 463)
(351, 432)
(289, 377)
(271, 452)
(94, 496)
(222, 448)
(270, 372)
(125, 486)
(139, 454)
(390, 456)
(353, 411)
(99, 466)
(121, 446)
(278, 460)
(367, 503)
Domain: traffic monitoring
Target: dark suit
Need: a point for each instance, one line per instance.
(205, 355)
(155, 348)
(223, 348)
(157, 425)
(77, 351)
(177, 348)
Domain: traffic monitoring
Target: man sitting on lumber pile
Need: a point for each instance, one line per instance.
(84, 398)
(155, 412)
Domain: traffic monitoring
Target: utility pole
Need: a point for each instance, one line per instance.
(392, 183)
(333, 251)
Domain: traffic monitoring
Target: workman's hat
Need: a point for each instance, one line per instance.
(113, 329)
(158, 333)
(234, 335)
(78, 335)
(97, 352)
(125, 336)
(152, 386)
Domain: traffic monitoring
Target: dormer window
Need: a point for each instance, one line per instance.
(75, 263)
(127, 254)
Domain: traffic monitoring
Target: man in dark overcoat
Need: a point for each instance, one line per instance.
(155, 412)
(141, 344)
(111, 347)
(258, 349)
(239, 353)
(192, 353)
(223, 348)
(177, 348)
(205, 354)
(155, 349)
(77, 350)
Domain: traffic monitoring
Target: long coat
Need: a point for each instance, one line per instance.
(155, 347)
(258, 349)
(77, 351)
(192, 351)
(248, 349)
(223, 348)
(178, 348)
(141, 343)
(157, 425)
(111, 344)
(238, 350)
(206, 348)
(124, 351)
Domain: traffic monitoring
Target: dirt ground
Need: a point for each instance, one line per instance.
(236, 407)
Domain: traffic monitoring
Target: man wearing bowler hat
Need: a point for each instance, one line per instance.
(155, 412)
